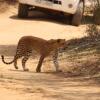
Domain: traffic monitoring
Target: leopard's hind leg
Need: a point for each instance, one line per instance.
(24, 60)
(15, 60)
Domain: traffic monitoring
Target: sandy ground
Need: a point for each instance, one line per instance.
(48, 85)
(40, 25)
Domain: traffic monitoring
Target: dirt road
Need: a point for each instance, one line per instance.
(19, 85)
(40, 25)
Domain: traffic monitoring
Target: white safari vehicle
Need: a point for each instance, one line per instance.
(73, 7)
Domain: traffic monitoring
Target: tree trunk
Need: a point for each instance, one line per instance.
(96, 13)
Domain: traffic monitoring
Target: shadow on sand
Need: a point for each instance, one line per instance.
(57, 18)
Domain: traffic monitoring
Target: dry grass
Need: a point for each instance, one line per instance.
(4, 5)
(9, 1)
(96, 15)
(82, 56)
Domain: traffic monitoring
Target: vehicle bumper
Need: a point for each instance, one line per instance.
(67, 6)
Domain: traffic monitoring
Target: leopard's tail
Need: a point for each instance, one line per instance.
(5, 61)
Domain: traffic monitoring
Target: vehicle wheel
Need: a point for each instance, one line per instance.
(23, 10)
(77, 17)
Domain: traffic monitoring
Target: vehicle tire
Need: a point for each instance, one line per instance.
(23, 10)
(77, 17)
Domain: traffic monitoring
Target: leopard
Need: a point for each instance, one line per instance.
(43, 47)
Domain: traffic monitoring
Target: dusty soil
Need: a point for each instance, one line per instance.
(38, 24)
(48, 85)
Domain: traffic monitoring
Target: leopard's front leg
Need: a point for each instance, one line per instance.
(38, 69)
(55, 61)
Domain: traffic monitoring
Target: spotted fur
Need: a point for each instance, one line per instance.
(44, 47)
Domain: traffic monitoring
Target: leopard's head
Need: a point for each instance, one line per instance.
(61, 42)
(58, 43)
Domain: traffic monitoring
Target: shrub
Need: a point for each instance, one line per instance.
(93, 31)
(96, 13)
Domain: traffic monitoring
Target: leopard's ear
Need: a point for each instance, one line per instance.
(51, 41)
(58, 40)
